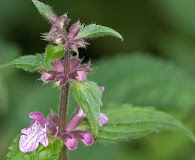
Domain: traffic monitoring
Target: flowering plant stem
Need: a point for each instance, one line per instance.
(64, 104)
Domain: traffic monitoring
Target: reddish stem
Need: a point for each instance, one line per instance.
(64, 105)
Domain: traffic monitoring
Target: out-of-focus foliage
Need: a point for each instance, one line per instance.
(163, 28)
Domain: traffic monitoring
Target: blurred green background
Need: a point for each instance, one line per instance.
(154, 66)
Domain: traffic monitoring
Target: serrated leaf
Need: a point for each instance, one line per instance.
(128, 122)
(28, 63)
(44, 10)
(51, 152)
(88, 96)
(52, 53)
(94, 30)
(147, 81)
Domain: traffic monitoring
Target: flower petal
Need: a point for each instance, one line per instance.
(102, 88)
(81, 76)
(37, 116)
(53, 118)
(45, 77)
(75, 120)
(36, 134)
(69, 141)
(85, 136)
(52, 123)
(74, 30)
(58, 65)
(74, 63)
(103, 119)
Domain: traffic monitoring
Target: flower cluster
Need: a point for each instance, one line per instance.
(41, 128)
(58, 34)
(77, 71)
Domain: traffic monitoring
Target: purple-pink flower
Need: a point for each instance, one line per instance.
(78, 71)
(41, 128)
(34, 134)
(59, 35)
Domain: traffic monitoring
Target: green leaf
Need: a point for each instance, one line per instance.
(51, 152)
(128, 122)
(145, 81)
(52, 53)
(88, 96)
(94, 30)
(28, 63)
(45, 10)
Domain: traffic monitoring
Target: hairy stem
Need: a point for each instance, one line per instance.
(64, 105)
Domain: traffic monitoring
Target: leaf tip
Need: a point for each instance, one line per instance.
(45, 10)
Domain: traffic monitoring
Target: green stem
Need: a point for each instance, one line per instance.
(64, 105)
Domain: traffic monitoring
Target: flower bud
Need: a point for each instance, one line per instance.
(59, 66)
(103, 119)
(74, 62)
(53, 20)
(102, 88)
(50, 37)
(55, 29)
(75, 120)
(63, 21)
(74, 30)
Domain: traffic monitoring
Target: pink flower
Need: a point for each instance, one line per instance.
(59, 35)
(78, 71)
(103, 119)
(34, 134)
(40, 128)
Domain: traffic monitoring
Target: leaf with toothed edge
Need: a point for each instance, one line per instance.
(128, 122)
(28, 63)
(88, 96)
(50, 152)
(44, 10)
(94, 31)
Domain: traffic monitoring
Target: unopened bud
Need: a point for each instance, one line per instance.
(102, 88)
(50, 37)
(103, 119)
(74, 30)
(59, 66)
(74, 62)
(63, 21)
(55, 29)
(54, 20)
